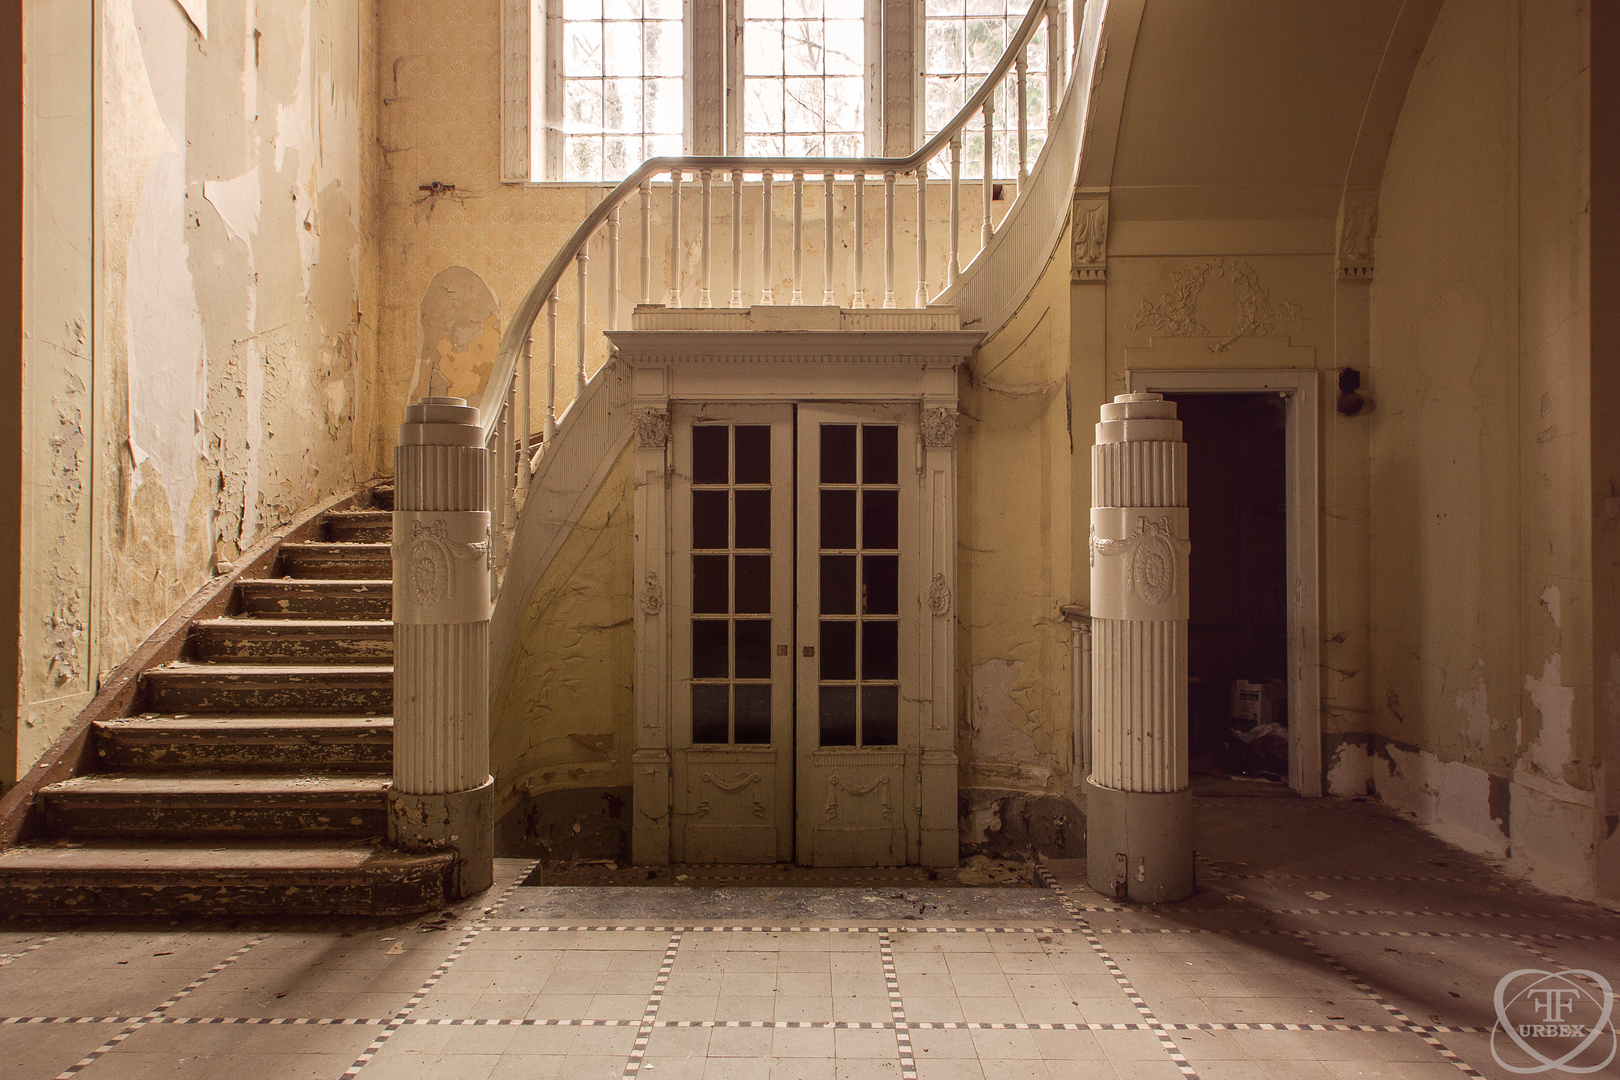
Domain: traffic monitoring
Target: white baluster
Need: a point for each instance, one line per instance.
(888, 239)
(987, 229)
(551, 367)
(736, 238)
(1057, 56)
(827, 255)
(524, 406)
(922, 235)
(613, 269)
(858, 300)
(767, 295)
(676, 254)
(798, 237)
(1023, 120)
(646, 241)
(703, 290)
(579, 346)
(953, 269)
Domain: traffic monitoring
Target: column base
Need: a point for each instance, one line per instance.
(1139, 844)
(459, 821)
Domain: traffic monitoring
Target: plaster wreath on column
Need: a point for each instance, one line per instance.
(652, 429)
(1176, 315)
(430, 556)
(939, 428)
(1150, 555)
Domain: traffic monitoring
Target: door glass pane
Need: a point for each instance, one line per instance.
(709, 712)
(837, 716)
(838, 584)
(881, 578)
(880, 455)
(710, 454)
(880, 650)
(838, 519)
(709, 585)
(837, 650)
(837, 453)
(753, 454)
(880, 519)
(709, 660)
(753, 713)
(753, 659)
(709, 519)
(753, 584)
(880, 715)
(753, 519)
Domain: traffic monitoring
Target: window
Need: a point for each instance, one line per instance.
(803, 85)
(623, 86)
(962, 40)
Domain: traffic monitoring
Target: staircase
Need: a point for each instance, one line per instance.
(252, 776)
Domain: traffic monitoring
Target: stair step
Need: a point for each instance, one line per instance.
(324, 560)
(359, 525)
(264, 640)
(257, 743)
(270, 689)
(220, 878)
(382, 497)
(197, 804)
(312, 598)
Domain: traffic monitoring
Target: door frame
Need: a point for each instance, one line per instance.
(1302, 463)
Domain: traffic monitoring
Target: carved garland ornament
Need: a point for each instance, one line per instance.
(652, 429)
(939, 428)
(1176, 315)
(1150, 558)
(834, 783)
(431, 555)
(652, 595)
(939, 596)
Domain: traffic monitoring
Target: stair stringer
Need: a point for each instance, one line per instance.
(573, 465)
(1001, 277)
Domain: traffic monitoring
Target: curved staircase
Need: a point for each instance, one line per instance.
(251, 774)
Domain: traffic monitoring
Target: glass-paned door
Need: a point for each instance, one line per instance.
(858, 612)
(732, 652)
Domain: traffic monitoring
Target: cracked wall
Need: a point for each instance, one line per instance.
(198, 371)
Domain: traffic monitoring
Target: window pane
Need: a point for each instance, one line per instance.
(709, 714)
(621, 9)
(837, 650)
(621, 48)
(753, 519)
(803, 66)
(880, 715)
(709, 657)
(843, 55)
(837, 716)
(753, 649)
(709, 512)
(837, 453)
(753, 584)
(838, 584)
(838, 519)
(665, 49)
(880, 650)
(711, 454)
(664, 107)
(753, 714)
(582, 157)
(762, 48)
(621, 105)
(880, 520)
(753, 454)
(582, 49)
(582, 105)
(882, 582)
(880, 455)
(709, 585)
(622, 65)
(802, 47)
(581, 9)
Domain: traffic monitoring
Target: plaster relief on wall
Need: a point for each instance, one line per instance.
(431, 555)
(881, 784)
(1150, 556)
(1358, 224)
(1090, 238)
(652, 595)
(939, 596)
(1176, 314)
(939, 429)
(652, 429)
(731, 787)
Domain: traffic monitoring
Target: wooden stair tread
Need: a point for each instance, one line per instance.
(271, 624)
(236, 722)
(195, 669)
(257, 856)
(196, 783)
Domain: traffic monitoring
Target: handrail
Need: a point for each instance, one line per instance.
(521, 326)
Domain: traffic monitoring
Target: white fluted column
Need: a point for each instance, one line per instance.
(442, 796)
(1139, 809)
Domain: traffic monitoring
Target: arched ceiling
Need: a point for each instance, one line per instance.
(1252, 109)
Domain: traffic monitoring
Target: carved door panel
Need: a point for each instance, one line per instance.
(859, 608)
(731, 648)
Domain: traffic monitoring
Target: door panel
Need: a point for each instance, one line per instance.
(731, 657)
(858, 609)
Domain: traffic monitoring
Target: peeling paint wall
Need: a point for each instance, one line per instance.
(205, 374)
(1482, 637)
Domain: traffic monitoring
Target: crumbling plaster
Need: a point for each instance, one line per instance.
(213, 377)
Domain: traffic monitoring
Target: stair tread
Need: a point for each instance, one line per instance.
(248, 622)
(237, 722)
(366, 547)
(280, 671)
(310, 582)
(359, 515)
(203, 856)
(199, 782)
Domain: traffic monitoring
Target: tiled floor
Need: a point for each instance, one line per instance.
(1328, 940)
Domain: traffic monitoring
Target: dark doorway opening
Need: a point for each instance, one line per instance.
(1237, 632)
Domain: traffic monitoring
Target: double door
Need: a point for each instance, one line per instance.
(796, 609)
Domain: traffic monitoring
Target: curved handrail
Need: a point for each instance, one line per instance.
(521, 325)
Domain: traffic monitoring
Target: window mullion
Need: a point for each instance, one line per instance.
(708, 86)
(552, 140)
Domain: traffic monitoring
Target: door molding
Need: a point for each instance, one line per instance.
(1298, 388)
